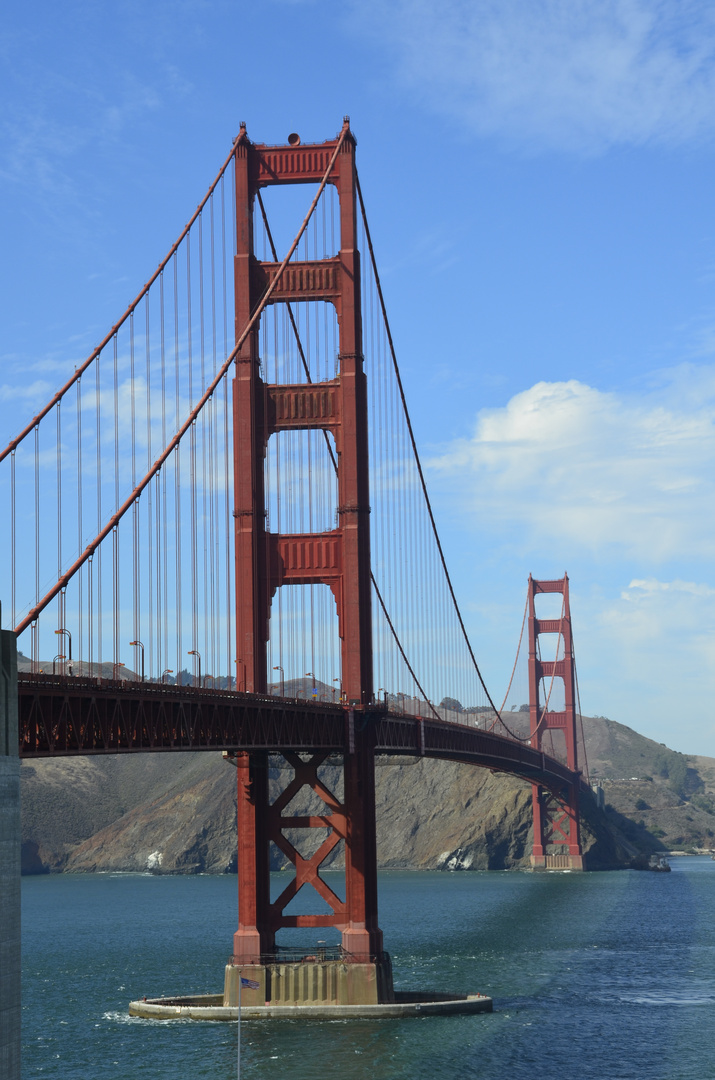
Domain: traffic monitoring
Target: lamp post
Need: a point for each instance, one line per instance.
(340, 687)
(315, 688)
(243, 667)
(195, 652)
(63, 630)
(277, 667)
(208, 677)
(60, 656)
(115, 668)
(166, 671)
(139, 644)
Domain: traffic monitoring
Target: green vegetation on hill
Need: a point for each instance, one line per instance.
(663, 798)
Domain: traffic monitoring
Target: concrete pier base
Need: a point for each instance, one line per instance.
(556, 862)
(311, 982)
(210, 1007)
(317, 986)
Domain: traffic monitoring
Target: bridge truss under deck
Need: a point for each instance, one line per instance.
(69, 716)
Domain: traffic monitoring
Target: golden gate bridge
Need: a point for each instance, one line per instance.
(232, 476)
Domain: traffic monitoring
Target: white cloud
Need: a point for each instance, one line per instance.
(649, 655)
(646, 588)
(595, 472)
(620, 489)
(652, 618)
(35, 391)
(582, 74)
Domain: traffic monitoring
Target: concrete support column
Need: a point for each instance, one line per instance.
(9, 862)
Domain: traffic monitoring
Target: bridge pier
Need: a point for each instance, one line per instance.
(359, 971)
(556, 826)
(9, 862)
(557, 862)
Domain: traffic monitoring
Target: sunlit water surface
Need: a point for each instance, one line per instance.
(593, 975)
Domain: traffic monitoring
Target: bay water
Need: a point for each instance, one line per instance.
(607, 975)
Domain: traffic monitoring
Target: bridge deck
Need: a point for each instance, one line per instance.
(69, 715)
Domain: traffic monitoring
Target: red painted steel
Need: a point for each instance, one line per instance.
(556, 814)
(307, 870)
(339, 558)
(62, 715)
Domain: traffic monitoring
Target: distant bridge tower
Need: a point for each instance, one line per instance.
(557, 841)
(339, 558)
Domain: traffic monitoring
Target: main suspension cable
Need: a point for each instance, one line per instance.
(518, 650)
(416, 454)
(331, 454)
(580, 717)
(79, 371)
(208, 393)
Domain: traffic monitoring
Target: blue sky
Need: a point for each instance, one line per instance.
(539, 178)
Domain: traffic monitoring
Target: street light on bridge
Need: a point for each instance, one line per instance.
(63, 630)
(195, 652)
(166, 671)
(139, 644)
(277, 667)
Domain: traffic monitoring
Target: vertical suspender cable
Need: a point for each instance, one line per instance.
(205, 420)
(227, 474)
(115, 532)
(414, 445)
(213, 493)
(149, 514)
(58, 453)
(162, 646)
(115, 519)
(192, 460)
(86, 364)
(136, 566)
(98, 410)
(80, 650)
(12, 539)
(177, 481)
(35, 638)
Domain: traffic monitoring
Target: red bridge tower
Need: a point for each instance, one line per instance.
(339, 558)
(557, 842)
